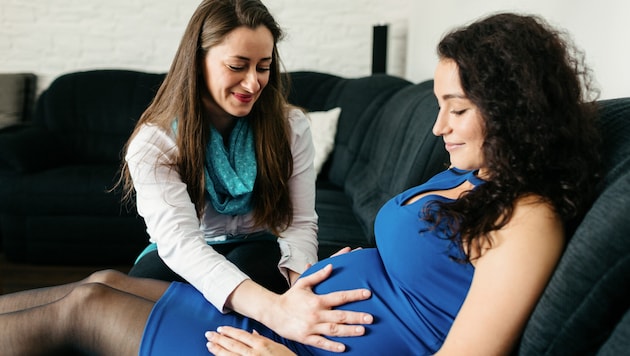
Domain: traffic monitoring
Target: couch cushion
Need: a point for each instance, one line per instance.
(360, 100)
(619, 341)
(398, 151)
(338, 226)
(69, 189)
(615, 128)
(73, 239)
(94, 112)
(29, 148)
(314, 91)
(65, 215)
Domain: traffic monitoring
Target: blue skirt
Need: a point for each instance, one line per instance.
(180, 318)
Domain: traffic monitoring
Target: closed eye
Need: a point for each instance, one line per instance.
(458, 112)
(240, 68)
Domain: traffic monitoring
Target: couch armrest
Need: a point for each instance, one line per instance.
(27, 148)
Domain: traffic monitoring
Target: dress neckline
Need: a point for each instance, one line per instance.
(471, 176)
(457, 178)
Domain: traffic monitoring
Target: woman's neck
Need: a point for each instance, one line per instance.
(218, 118)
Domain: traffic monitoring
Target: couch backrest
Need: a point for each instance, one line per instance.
(360, 99)
(582, 309)
(93, 113)
(383, 144)
(399, 151)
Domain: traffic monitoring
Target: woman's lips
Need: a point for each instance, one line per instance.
(451, 146)
(244, 98)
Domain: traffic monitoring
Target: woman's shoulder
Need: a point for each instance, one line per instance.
(533, 205)
(298, 121)
(535, 221)
(154, 132)
(153, 135)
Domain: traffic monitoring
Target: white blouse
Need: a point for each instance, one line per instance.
(172, 223)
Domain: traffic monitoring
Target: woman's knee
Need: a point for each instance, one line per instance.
(81, 299)
(108, 277)
(75, 312)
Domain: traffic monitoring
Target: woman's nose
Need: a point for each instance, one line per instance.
(440, 127)
(250, 82)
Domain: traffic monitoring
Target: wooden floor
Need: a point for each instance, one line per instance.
(16, 277)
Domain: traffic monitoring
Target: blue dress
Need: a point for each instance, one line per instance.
(417, 285)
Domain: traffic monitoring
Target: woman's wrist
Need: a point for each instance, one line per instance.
(293, 277)
(253, 300)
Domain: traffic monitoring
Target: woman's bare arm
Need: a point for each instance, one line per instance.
(509, 278)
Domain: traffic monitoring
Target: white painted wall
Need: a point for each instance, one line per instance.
(336, 36)
(51, 37)
(600, 28)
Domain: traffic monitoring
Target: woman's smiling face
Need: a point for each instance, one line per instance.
(237, 70)
(459, 121)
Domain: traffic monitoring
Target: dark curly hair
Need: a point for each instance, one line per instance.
(536, 97)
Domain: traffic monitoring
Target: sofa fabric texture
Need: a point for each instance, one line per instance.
(56, 171)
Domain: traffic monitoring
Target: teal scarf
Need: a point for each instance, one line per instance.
(230, 172)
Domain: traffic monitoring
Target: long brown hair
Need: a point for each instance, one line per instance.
(180, 95)
(537, 101)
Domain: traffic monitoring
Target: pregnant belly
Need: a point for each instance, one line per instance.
(391, 331)
(356, 269)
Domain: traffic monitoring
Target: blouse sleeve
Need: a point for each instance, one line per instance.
(298, 243)
(171, 219)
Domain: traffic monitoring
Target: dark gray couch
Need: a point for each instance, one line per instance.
(383, 146)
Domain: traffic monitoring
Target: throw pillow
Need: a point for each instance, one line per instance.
(323, 130)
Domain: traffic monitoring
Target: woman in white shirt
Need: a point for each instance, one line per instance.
(220, 165)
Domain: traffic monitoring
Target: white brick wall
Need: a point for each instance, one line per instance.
(51, 37)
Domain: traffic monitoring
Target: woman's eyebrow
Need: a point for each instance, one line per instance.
(453, 96)
(243, 58)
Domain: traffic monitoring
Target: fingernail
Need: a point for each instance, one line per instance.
(219, 329)
(367, 318)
